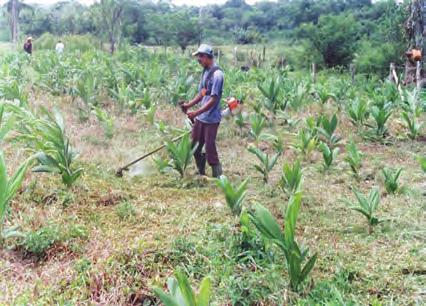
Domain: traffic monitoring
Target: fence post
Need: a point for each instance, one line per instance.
(218, 56)
(264, 53)
(314, 72)
(391, 70)
(235, 56)
(352, 68)
(419, 75)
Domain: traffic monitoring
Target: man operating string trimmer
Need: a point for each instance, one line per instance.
(208, 116)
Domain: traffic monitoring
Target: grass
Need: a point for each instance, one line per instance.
(138, 230)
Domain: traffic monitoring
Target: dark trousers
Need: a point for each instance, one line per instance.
(205, 134)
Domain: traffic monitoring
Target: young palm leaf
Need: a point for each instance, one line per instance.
(412, 125)
(358, 112)
(266, 162)
(354, 158)
(182, 294)
(5, 125)
(57, 155)
(234, 195)
(285, 240)
(381, 113)
(291, 178)
(327, 129)
(257, 124)
(8, 189)
(306, 142)
(271, 92)
(328, 154)
(181, 154)
(366, 206)
(391, 177)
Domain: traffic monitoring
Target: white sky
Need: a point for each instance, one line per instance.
(177, 2)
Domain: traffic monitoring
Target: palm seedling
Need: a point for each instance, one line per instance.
(291, 178)
(106, 121)
(323, 94)
(8, 189)
(391, 177)
(182, 294)
(327, 130)
(329, 154)
(306, 142)
(57, 154)
(266, 162)
(150, 113)
(257, 124)
(181, 154)
(271, 92)
(412, 125)
(234, 196)
(358, 111)
(354, 158)
(367, 206)
(381, 113)
(240, 122)
(5, 124)
(285, 240)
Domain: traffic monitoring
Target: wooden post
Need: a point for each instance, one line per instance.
(235, 56)
(314, 72)
(352, 68)
(419, 75)
(218, 56)
(264, 53)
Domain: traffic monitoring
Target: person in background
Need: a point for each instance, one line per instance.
(59, 47)
(28, 45)
(208, 116)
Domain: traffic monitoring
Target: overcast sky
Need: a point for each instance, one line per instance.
(177, 2)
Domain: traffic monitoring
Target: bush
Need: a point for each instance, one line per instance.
(125, 210)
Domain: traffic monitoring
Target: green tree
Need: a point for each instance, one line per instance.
(334, 37)
(186, 29)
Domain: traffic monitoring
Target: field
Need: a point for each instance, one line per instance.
(97, 239)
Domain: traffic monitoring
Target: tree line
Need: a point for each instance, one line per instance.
(336, 30)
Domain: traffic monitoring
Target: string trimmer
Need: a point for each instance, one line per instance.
(232, 104)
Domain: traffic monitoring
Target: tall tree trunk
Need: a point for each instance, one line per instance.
(14, 21)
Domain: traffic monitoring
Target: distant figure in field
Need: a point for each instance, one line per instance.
(59, 47)
(28, 46)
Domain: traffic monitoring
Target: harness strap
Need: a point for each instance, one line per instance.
(205, 90)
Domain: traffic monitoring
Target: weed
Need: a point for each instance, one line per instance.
(285, 240)
(182, 294)
(291, 178)
(391, 177)
(422, 162)
(234, 195)
(366, 206)
(5, 125)
(125, 210)
(266, 162)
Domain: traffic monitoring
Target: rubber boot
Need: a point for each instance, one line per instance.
(201, 164)
(217, 170)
